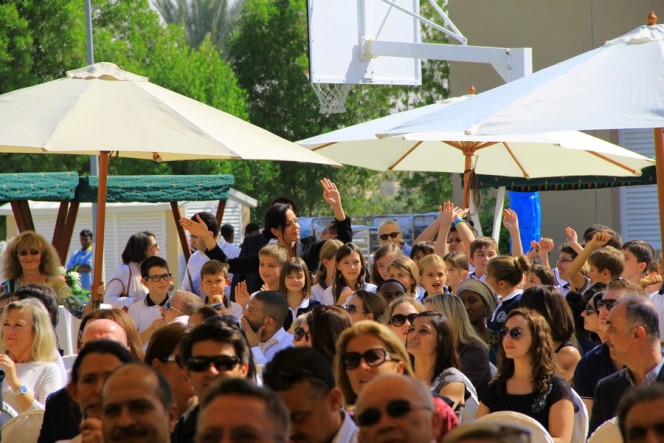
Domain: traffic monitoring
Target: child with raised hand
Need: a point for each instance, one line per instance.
(326, 270)
(606, 263)
(295, 283)
(271, 258)
(350, 276)
(214, 279)
(454, 233)
(504, 276)
(511, 223)
(404, 270)
(433, 276)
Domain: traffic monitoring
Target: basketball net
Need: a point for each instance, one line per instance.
(332, 96)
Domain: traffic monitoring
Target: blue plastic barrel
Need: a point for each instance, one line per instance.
(529, 210)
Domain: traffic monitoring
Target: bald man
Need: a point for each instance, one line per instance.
(62, 416)
(104, 329)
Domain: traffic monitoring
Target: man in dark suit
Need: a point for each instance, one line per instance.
(632, 334)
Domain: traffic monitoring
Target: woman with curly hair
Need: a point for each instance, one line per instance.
(551, 304)
(526, 380)
(30, 259)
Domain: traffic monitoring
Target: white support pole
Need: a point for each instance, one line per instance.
(475, 218)
(510, 63)
(498, 213)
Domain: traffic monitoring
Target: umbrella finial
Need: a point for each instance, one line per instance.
(472, 90)
(652, 18)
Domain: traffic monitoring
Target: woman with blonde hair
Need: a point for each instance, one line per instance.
(26, 355)
(526, 380)
(31, 259)
(365, 350)
(473, 352)
(400, 314)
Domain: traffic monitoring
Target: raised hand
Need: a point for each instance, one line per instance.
(242, 294)
(546, 244)
(447, 214)
(330, 192)
(600, 239)
(570, 235)
(510, 219)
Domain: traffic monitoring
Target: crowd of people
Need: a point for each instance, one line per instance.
(307, 339)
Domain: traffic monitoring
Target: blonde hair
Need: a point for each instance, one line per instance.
(275, 251)
(393, 346)
(48, 264)
(327, 252)
(430, 260)
(397, 301)
(43, 342)
(452, 307)
(405, 264)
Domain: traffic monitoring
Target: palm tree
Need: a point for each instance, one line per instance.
(202, 18)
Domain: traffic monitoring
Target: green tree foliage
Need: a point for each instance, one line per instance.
(201, 19)
(268, 50)
(127, 33)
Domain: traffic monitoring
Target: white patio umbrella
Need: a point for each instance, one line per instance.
(617, 86)
(551, 154)
(103, 110)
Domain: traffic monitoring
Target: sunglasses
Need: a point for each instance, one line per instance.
(171, 359)
(398, 320)
(590, 309)
(514, 333)
(395, 408)
(608, 304)
(392, 235)
(300, 333)
(352, 309)
(24, 252)
(156, 278)
(221, 363)
(372, 357)
(169, 307)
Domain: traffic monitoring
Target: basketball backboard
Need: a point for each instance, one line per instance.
(341, 30)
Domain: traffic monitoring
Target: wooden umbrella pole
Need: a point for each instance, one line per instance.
(659, 159)
(468, 157)
(101, 221)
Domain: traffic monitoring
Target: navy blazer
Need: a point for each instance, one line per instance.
(608, 393)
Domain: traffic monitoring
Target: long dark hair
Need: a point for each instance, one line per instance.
(339, 280)
(551, 304)
(446, 353)
(326, 323)
(275, 217)
(541, 352)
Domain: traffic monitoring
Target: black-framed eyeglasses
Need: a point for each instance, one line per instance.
(172, 359)
(221, 363)
(606, 303)
(514, 333)
(398, 320)
(155, 278)
(300, 333)
(391, 235)
(372, 357)
(24, 252)
(395, 409)
(352, 309)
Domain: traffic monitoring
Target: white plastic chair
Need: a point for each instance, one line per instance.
(580, 431)
(24, 428)
(607, 432)
(538, 434)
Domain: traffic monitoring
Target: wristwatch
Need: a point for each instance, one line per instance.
(21, 390)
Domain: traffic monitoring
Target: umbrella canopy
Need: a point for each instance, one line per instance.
(617, 86)
(551, 154)
(101, 109)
